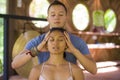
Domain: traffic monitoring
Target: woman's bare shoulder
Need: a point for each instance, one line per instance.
(35, 72)
(76, 69)
(77, 72)
(37, 68)
(74, 66)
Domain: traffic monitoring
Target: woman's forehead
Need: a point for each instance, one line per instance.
(56, 33)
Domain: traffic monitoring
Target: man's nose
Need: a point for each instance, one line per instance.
(56, 17)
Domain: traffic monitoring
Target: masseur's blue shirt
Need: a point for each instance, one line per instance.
(43, 56)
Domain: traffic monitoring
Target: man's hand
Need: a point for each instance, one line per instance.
(42, 46)
(70, 46)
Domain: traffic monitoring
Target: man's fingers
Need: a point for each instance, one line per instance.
(67, 36)
(46, 37)
(47, 34)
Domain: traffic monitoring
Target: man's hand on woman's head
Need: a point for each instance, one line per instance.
(70, 46)
(42, 46)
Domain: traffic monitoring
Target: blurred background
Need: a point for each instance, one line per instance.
(95, 21)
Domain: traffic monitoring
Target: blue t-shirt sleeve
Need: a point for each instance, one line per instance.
(34, 42)
(83, 47)
(80, 44)
(43, 56)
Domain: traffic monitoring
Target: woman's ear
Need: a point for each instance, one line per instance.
(66, 47)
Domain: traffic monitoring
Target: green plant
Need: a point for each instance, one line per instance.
(1, 67)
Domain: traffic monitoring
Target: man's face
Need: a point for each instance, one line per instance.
(57, 16)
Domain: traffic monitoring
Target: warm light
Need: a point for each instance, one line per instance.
(106, 64)
(80, 17)
(108, 69)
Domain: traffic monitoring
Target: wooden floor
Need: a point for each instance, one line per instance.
(105, 74)
(109, 70)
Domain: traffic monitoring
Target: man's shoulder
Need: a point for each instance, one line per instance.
(75, 37)
(40, 37)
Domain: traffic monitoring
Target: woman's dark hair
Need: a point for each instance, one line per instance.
(56, 2)
(59, 29)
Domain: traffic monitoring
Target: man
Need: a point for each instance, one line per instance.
(76, 47)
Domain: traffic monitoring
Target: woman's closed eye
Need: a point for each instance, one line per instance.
(51, 39)
(61, 39)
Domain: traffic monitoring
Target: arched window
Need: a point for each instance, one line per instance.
(80, 17)
(110, 20)
(38, 9)
(98, 18)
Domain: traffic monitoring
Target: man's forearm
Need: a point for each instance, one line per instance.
(86, 61)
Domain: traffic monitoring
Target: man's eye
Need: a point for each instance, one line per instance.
(52, 15)
(60, 14)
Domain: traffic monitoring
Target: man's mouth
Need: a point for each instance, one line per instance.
(57, 22)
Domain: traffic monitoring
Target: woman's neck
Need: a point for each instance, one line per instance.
(56, 59)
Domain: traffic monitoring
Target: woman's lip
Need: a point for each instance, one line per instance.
(56, 48)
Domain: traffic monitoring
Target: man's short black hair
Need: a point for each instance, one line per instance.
(59, 29)
(56, 2)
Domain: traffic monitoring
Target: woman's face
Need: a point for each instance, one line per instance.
(57, 16)
(56, 42)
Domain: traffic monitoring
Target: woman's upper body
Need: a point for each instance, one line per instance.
(66, 71)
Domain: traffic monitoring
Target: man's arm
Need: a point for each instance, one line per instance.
(21, 59)
(84, 59)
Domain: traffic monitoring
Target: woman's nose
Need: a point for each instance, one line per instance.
(56, 42)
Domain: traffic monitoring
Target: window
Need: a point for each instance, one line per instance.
(110, 20)
(98, 18)
(38, 9)
(80, 17)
